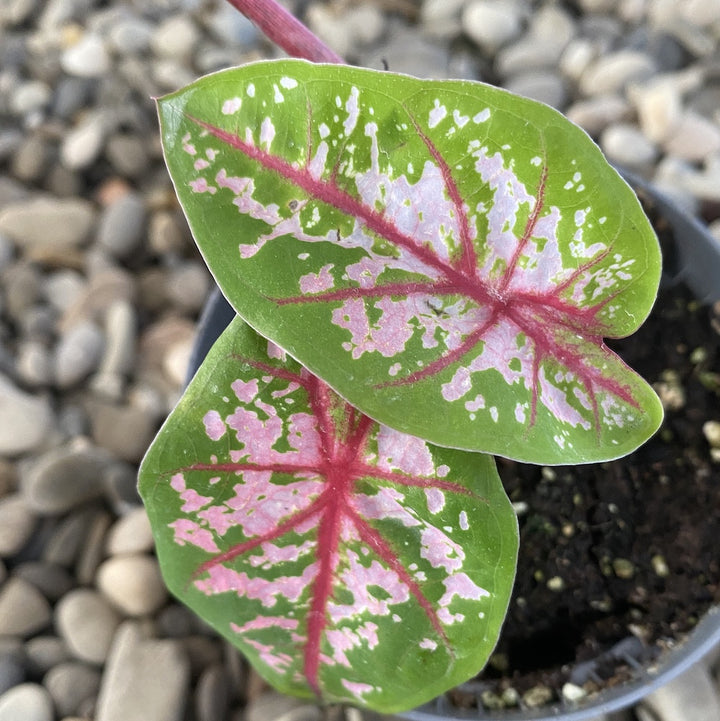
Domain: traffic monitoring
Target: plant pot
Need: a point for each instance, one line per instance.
(694, 260)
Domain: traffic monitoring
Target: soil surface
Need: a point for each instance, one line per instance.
(623, 549)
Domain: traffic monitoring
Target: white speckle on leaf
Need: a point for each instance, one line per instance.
(460, 120)
(482, 116)
(437, 114)
(353, 111)
(231, 106)
(324, 130)
(288, 83)
(536, 161)
(251, 90)
(494, 413)
(267, 132)
(464, 524)
(278, 97)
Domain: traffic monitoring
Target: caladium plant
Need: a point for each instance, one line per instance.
(348, 561)
(426, 271)
(446, 255)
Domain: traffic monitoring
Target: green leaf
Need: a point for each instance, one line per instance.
(447, 256)
(345, 559)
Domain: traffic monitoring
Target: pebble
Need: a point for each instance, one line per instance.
(119, 355)
(130, 35)
(88, 58)
(693, 138)
(25, 420)
(86, 622)
(133, 584)
(17, 522)
(64, 477)
(30, 158)
(12, 663)
(44, 652)
(121, 226)
(492, 23)
(130, 534)
(346, 34)
(612, 72)
(175, 38)
(188, 286)
(659, 108)
(627, 146)
(127, 154)
(273, 705)
(83, 144)
(23, 609)
(78, 353)
(157, 672)
(91, 553)
(62, 288)
(30, 96)
(212, 694)
(595, 114)
(167, 233)
(123, 429)
(27, 222)
(541, 85)
(28, 701)
(68, 536)
(51, 579)
(711, 431)
(70, 684)
(34, 365)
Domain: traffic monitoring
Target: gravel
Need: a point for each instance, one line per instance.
(101, 288)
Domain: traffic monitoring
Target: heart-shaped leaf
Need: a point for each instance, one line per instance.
(347, 560)
(446, 255)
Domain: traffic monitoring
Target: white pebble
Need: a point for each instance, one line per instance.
(130, 534)
(491, 23)
(78, 353)
(625, 145)
(693, 138)
(611, 73)
(17, 522)
(133, 584)
(26, 702)
(88, 58)
(83, 144)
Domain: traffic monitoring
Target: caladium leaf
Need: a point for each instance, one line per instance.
(347, 560)
(446, 255)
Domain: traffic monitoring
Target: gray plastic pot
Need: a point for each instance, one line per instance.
(696, 262)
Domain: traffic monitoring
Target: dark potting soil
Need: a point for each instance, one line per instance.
(622, 549)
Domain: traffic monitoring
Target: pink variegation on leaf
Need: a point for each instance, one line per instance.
(314, 538)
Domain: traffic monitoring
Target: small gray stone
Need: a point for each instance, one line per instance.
(17, 522)
(492, 23)
(231, 27)
(133, 584)
(131, 35)
(34, 365)
(130, 534)
(70, 684)
(12, 664)
(167, 233)
(626, 146)
(27, 222)
(127, 154)
(123, 429)
(64, 477)
(51, 579)
(121, 225)
(93, 550)
(68, 536)
(188, 286)
(29, 160)
(273, 705)
(212, 695)
(25, 420)
(595, 114)
(16, 12)
(577, 57)
(78, 353)
(63, 288)
(44, 652)
(87, 623)
(347, 33)
(156, 671)
(28, 701)
(23, 609)
(88, 58)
